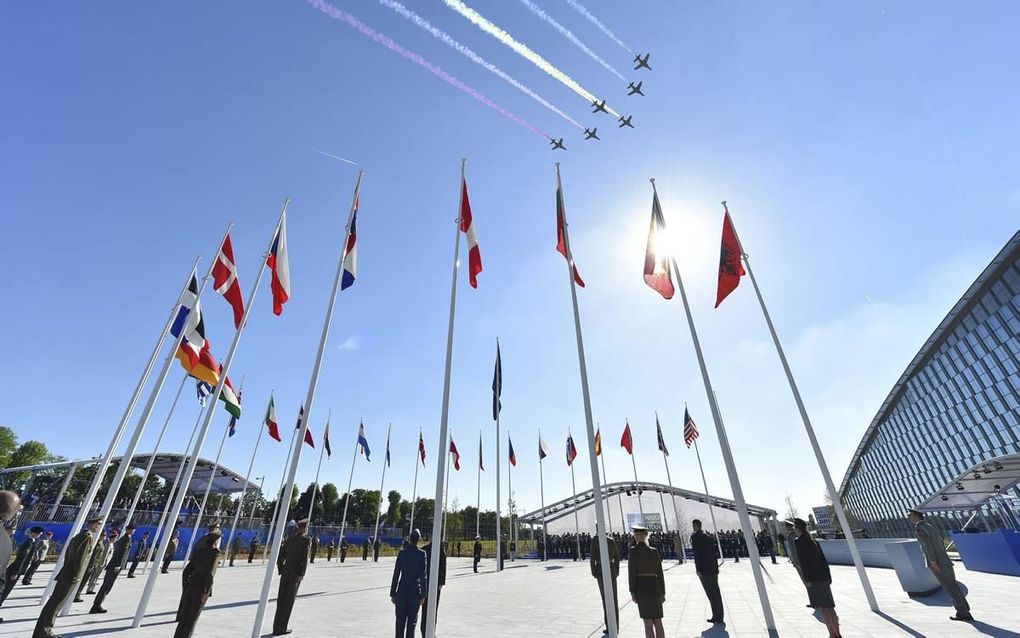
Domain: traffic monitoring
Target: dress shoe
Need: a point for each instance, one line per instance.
(715, 620)
(78, 599)
(963, 617)
(130, 576)
(284, 632)
(97, 610)
(90, 592)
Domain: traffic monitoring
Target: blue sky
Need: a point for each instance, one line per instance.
(868, 154)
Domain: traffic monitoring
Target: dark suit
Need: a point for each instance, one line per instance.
(614, 569)
(408, 588)
(197, 579)
(139, 555)
(117, 563)
(291, 564)
(477, 553)
(376, 546)
(707, 566)
(76, 555)
(439, 588)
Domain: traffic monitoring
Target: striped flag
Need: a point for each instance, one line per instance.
(513, 457)
(270, 420)
(598, 442)
(308, 431)
(662, 441)
(543, 449)
(351, 253)
(232, 426)
(657, 274)
(690, 429)
(421, 449)
(203, 390)
(189, 320)
(363, 442)
(225, 280)
(456, 455)
(561, 235)
(325, 441)
(571, 450)
(279, 264)
(627, 441)
(467, 225)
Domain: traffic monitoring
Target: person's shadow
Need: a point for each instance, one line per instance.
(939, 597)
(717, 630)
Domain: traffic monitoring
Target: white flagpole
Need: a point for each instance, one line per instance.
(600, 513)
(414, 489)
(509, 496)
(577, 525)
(430, 628)
(837, 505)
(281, 516)
(672, 497)
(315, 485)
(637, 488)
(609, 515)
(255, 501)
(214, 398)
(205, 497)
(708, 500)
(382, 483)
(104, 464)
(541, 492)
(152, 457)
(350, 480)
(446, 494)
(279, 493)
(724, 445)
(247, 475)
(478, 512)
(499, 520)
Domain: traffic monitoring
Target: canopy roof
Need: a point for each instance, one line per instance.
(977, 485)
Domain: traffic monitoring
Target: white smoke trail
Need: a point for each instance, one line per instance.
(568, 34)
(603, 28)
(482, 23)
(336, 157)
(474, 57)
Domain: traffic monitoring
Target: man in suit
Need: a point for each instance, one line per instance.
(22, 560)
(291, 565)
(706, 564)
(253, 547)
(614, 572)
(139, 554)
(10, 505)
(477, 552)
(439, 587)
(935, 555)
(76, 555)
(39, 552)
(409, 585)
(118, 561)
(171, 550)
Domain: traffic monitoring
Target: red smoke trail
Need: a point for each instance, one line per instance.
(339, 14)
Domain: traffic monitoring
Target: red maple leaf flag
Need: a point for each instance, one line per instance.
(225, 281)
(627, 442)
(561, 232)
(657, 274)
(730, 268)
(467, 226)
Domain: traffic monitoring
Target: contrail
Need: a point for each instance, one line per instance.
(482, 23)
(568, 34)
(336, 157)
(337, 13)
(474, 57)
(603, 28)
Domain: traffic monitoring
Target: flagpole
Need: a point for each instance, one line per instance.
(279, 493)
(478, 512)
(637, 487)
(347, 499)
(724, 445)
(541, 492)
(430, 628)
(315, 485)
(708, 499)
(247, 476)
(499, 520)
(509, 497)
(577, 525)
(600, 514)
(672, 496)
(175, 510)
(104, 464)
(414, 489)
(281, 518)
(446, 494)
(609, 516)
(205, 497)
(837, 505)
(382, 483)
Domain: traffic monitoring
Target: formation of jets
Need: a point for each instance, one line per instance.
(597, 106)
(625, 121)
(634, 89)
(591, 134)
(557, 144)
(642, 62)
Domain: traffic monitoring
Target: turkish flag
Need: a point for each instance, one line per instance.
(627, 441)
(730, 268)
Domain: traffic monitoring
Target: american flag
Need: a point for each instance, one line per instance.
(421, 449)
(690, 430)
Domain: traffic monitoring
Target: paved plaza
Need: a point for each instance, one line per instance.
(536, 599)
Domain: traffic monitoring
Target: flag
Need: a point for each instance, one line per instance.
(232, 426)
(467, 225)
(730, 268)
(207, 370)
(308, 431)
(481, 461)
(627, 442)
(189, 321)
(363, 442)
(690, 429)
(203, 390)
(225, 281)
(387, 449)
(513, 457)
(497, 385)
(351, 253)
(571, 450)
(280, 265)
(561, 234)
(662, 441)
(231, 400)
(598, 442)
(543, 449)
(270, 420)
(421, 449)
(456, 455)
(657, 274)
(325, 441)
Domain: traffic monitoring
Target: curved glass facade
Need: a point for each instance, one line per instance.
(957, 404)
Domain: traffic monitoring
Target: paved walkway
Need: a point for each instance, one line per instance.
(536, 599)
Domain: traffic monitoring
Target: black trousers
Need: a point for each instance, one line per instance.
(425, 609)
(169, 558)
(406, 611)
(710, 583)
(477, 560)
(285, 602)
(343, 554)
(616, 603)
(27, 580)
(108, 580)
(10, 581)
(48, 615)
(251, 554)
(134, 566)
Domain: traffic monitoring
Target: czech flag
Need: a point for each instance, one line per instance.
(543, 449)
(351, 253)
(280, 266)
(571, 450)
(657, 273)
(308, 431)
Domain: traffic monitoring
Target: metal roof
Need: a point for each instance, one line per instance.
(976, 486)
(1009, 253)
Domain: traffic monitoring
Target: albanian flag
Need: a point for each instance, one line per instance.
(627, 442)
(730, 268)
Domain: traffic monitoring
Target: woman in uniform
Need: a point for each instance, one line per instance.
(647, 586)
(198, 581)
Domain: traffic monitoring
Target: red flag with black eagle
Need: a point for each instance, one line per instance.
(730, 268)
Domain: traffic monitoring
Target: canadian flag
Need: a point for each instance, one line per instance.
(467, 225)
(225, 281)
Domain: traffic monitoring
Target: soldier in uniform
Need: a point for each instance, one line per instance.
(21, 562)
(118, 561)
(253, 547)
(707, 565)
(39, 552)
(76, 555)
(198, 582)
(477, 552)
(376, 546)
(330, 547)
(140, 548)
(315, 548)
(647, 585)
(409, 585)
(291, 564)
(101, 553)
(343, 549)
(439, 587)
(364, 549)
(614, 572)
(235, 548)
(937, 558)
(171, 549)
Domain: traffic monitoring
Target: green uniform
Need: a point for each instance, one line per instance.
(291, 564)
(198, 582)
(614, 571)
(647, 584)
(76, 555)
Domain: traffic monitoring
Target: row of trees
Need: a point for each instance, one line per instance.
(14, 454)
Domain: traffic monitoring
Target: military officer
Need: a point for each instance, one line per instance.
(439, 586)
(935, 555)
(376, 546)
(343, 549)
(614, 572)
(76, 555)
(39, 552)
(171, 550)
(409, 585)
(315, 548)
(235, 548)
(118, 561)
(197, 578)
(101, 553)
(707, 565)
(329, 550)
(364, 549)
(21, 562)
(253, 547)
(647, 585)
(140, 548)
(477, 552)
(291, 564)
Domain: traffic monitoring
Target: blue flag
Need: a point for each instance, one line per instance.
(363, 442)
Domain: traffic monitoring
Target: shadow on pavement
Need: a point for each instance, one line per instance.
(905, 628)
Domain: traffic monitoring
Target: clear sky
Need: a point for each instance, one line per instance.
(868, 154)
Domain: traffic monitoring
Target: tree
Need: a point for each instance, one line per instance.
(393, 511)
(791, 509)
(28, 453)
(8, 443)
(330, 498)
(303, 507)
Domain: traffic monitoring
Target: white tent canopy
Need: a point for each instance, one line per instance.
(977, 485)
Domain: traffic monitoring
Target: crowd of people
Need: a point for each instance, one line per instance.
(671, 545)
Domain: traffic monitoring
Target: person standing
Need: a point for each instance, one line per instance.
(197, 579)
(253, 547)
(937, 559)
(39, 552)
(329, 550)
(815, 570)
(376, 546)
(140, 548)
(291, 564)
(343, 548)
(117, 562)
(364, 549)
(76, 555)
(647, 584)
(21, 562)
(10, 505)
(315, 548)
(409, 585)
(706, 563)
(171, 549)
(235, 548)
(439, 587)
(477, 552)
(97, 562)
(614, 572)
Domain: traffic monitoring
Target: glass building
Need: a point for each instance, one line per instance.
(956, 405)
